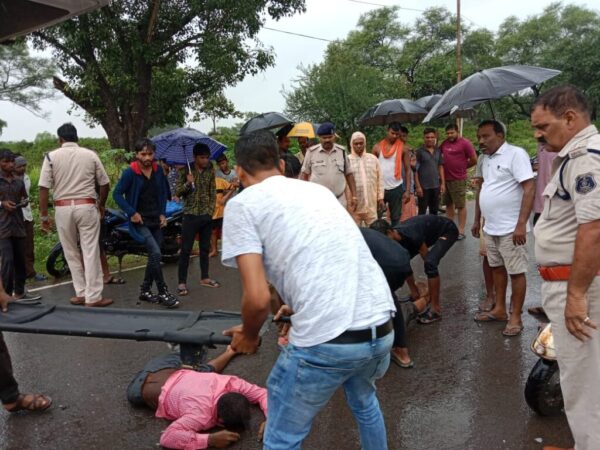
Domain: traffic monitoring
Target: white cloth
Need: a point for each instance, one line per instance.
(27, 215)
(501, 192)
(314, 255)
(388, 170)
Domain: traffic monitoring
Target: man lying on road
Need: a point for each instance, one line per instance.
(197, 400)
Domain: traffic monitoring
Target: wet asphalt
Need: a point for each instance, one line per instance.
(465, 392)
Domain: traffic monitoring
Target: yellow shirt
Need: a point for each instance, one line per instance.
(222, 185)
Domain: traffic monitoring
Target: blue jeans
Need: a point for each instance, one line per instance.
(152, 241)
(304, 379)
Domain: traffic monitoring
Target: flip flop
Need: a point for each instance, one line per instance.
(182, 292)
(512, 330)
(400, 363)
(428, 317)
(31, 403)
(115, 280)
(210, 284)
(486, 308)
(485, 316)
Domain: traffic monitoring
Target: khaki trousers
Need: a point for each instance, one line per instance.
(579, 364)
(83, 222)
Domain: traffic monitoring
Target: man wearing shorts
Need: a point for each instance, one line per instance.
(505, 200)
(459, 155)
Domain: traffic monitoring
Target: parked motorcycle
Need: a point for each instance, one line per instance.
(542, 390)
(118, 242)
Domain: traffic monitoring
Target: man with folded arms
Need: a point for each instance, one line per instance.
(72, 172)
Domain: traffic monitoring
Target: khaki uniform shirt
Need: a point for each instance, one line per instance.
(328, 169)
(72, 172)
(556, 230)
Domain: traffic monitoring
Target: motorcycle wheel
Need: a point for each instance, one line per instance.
(56, 264)
(542, 390)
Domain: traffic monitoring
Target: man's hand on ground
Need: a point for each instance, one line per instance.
(222, 439)
(261, 430)
(240, 342)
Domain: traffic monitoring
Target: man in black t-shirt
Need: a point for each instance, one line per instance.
(431, 237)
(394, 260)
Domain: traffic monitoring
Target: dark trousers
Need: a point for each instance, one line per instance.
(9, 389)
(439, 249)
(12, 254)
(399, 326)
(393, 197)
(191, 226)
(152, 239)
(29, 251)
(431, 200)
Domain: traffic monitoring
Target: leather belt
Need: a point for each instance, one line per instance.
(74, 201)
(358, 336)
(556, 273)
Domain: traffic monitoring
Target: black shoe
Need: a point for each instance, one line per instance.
(148, 296)
(168, 300)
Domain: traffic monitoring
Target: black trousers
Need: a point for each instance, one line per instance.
(12, 254)
(439, 249)
(431, 200)
(393, 197)
(191, 226)
(29, 251)
(9, 389)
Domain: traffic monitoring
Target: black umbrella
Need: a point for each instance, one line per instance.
(428, 101)
(388, 111)
(265, 121)
(489, 84)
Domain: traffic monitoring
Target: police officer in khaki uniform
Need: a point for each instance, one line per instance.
(567, 247)
(327, 164)
(73, 173)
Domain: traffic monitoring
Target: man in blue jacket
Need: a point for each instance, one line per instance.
(142, 193)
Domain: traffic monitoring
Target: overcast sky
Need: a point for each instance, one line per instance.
(327, 19)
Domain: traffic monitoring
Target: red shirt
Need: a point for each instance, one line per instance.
(456, 158)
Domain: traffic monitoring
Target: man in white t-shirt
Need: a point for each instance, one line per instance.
(505, 200)
(298, 236)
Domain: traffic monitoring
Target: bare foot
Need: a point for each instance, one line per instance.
(487, 305)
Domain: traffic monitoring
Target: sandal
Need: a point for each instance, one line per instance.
(405, 365)
(487, 316)
(210, 283)
(182, 292)
(32, 403)
(115, 280)
(512, 330)
(428, 317)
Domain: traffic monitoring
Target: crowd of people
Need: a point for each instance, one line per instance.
(347, 322)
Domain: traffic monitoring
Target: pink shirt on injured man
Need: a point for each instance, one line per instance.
(189, 398)
(544, 174)
(456, 158)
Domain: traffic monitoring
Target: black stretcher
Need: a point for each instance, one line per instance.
(194, 331)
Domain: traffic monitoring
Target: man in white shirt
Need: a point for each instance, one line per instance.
(505, 200)
(298, 236)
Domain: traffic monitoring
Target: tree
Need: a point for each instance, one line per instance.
(216, 107)
(134, 65)
(24, 80)
(566, 38)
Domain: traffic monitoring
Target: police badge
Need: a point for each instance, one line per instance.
(585, 183)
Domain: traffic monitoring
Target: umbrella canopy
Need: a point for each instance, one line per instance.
(428, 101)
(388, 111)
(265, 121)
(489, 84)
(304, 129)
(176, 146)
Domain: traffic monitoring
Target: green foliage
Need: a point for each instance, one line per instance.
(136, 65)
(215, 107)
(24, 80)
